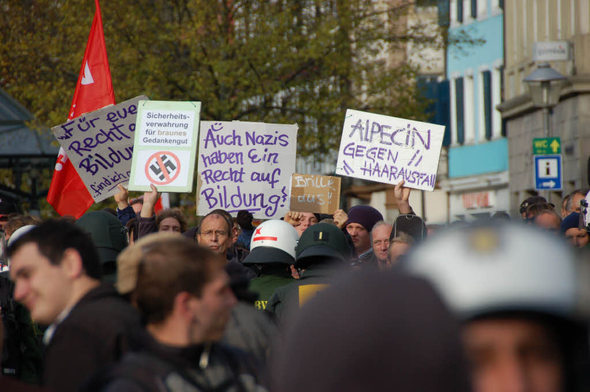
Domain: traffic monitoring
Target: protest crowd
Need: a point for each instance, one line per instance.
(264, 293)
(134, 300)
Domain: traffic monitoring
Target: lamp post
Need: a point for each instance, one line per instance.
(545, 85)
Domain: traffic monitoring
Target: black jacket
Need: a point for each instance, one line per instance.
(99, 329)
(196, 368)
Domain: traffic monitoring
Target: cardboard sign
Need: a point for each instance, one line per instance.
(390, 149)
(100, 145)
(165, 146)
(245, 166)
(315, 193)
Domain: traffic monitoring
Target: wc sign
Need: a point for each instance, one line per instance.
(548, 170)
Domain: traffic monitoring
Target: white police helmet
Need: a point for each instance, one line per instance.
(499, 267)
(273, 241)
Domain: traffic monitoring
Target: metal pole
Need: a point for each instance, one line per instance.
(547, 122)
(547, 132)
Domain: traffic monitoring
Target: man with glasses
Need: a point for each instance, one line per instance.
(214, 233)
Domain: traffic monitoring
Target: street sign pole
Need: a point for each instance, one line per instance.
(547, 126)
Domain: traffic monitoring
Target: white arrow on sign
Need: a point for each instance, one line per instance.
(550, 184)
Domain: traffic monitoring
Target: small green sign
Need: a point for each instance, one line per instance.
(546, 145)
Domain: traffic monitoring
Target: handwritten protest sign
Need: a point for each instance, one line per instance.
(246, 166)
(165, 146)
(100, 145)
(389, 149)
(315, 193)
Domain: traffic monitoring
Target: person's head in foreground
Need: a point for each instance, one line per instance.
(53, 265)
(372, 331)
(515, 288)
(183, 292)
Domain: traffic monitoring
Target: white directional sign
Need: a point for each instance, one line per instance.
(548, 172)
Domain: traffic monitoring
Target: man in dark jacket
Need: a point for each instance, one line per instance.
(184, 296)
(57, 271)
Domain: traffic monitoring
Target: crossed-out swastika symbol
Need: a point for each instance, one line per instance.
(162, 168)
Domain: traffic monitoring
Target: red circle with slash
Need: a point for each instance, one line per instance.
(162, 168)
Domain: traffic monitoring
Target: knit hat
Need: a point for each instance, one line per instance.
(571, 221)
(365, 216)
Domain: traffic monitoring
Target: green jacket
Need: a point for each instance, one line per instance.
(291, 297)
(266, 285)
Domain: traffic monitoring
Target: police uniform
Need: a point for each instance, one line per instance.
(322, 251)
(272, 251)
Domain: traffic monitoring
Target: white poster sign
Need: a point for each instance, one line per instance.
(390, 149)
(100, 146)
(245, 166)
(165, 146)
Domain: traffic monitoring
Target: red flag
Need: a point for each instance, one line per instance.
(162, 203)
(67, 193)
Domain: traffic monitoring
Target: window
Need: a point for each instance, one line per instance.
(443, 13)
(438, 110)
(460, 11)
(459, 110)
(474, 9)
(427, 3)
(487, 103)
(499, 85)
(443, 110)
(469, 107)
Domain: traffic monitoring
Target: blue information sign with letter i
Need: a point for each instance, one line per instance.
(548, 172)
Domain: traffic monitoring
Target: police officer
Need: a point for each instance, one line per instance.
(321, 251)
(272, 252)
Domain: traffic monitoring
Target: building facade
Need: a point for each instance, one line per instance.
(478, 179)
(431, 206)
(563, 23)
